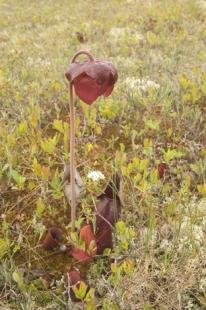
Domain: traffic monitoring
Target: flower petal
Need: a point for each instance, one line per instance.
(101, 71)
(86, 89)
(108, 91)
(75, 70)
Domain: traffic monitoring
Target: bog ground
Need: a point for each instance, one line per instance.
(152, 130)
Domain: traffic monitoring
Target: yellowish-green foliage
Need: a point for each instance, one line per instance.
(155, 115)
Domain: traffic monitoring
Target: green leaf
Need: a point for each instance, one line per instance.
(202, 189)
(152, 124)
(90, 300)
(120, 227)
(92, 247)
(80, 291)
(172, 154)
(49, 145)
(74, 237)
(56, 186)
(143, 165)
(18, 278)
(4, 247)
(18, 178)
(40, 207)
(58, 125)
(125, 236)
(22, 128)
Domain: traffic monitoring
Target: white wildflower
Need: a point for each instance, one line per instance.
(138, 36)
(95, 175)
(126, 34)
(116, 32)
(37, 62)
(140, 85)
(191, 233)
(3, 216)
(148, 236)
(165, 244)
(202, 4)
(190, 305)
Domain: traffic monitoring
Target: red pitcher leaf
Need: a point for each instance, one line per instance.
(73, 276)
(108, 210)
(74, 283)
(104, 240)
(161, 170)
(87, 236)
(92, 79)
(81, 256)
(52, 239)
(112, 189)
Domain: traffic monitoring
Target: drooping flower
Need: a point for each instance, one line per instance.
(92, 78)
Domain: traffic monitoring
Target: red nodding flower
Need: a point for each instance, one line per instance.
(92, 78)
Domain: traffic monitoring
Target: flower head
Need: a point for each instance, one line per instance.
(92, 78)
(95, 175)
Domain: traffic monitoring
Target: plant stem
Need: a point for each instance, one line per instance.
(72, 158)
(72, 143)
(91, 58)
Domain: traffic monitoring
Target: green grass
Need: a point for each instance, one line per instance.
(140, 126)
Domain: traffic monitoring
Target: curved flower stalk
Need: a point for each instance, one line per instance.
(90, 79)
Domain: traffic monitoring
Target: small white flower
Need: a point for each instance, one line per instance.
(165, 244)
(116, 32)
(141, 85)
(95, 175)
(38, 62)
(139, 36)
(3, 216)
(202, 4)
